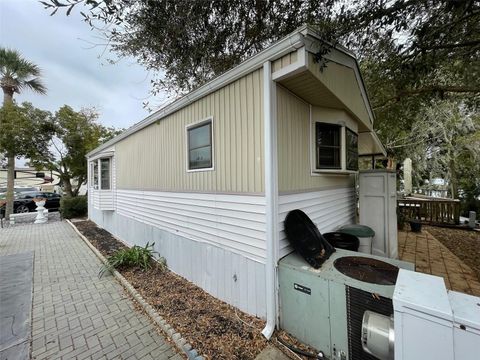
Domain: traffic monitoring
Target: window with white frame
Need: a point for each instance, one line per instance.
(328, 146)
(336, 148)
(200, 146)
(94, 174)
(351, 149)
(105, 174)
(100, 170)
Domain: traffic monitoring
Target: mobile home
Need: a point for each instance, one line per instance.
(210, 177)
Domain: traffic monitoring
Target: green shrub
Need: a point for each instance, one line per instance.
(71, 207)
(134, 257)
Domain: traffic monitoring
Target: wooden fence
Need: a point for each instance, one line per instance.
(431, 211)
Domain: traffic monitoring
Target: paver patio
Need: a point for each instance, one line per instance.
(75, 314)
(430, 256)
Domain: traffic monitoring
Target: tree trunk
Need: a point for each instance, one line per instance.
(8, 98)
(453, 180)
(68, 187)
(10, 185)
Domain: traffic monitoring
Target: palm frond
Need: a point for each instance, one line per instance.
(19, 73)
(35, 85)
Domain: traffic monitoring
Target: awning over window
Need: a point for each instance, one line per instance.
(369, 144)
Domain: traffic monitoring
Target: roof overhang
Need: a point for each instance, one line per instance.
(302, 37)
(370, 144)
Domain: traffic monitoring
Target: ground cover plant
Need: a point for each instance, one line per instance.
(135, 257)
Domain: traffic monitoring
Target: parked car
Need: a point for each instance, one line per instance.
(23, 202)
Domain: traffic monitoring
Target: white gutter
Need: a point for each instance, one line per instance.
(271, 195)
(282, 47)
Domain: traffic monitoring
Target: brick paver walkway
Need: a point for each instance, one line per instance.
(430, 256)
(76, 315)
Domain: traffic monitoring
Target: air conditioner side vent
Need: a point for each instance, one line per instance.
(358, 301)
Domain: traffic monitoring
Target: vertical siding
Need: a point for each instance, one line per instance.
(293, 129)
(341, 81)
(154, 158)
(285, 60)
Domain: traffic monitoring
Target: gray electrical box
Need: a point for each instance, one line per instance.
(323, 307)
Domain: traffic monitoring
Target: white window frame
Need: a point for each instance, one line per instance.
(187, 150)
(109, 173)
(343, 148)
(97, 161)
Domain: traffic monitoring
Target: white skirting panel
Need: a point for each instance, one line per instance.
(232, 222)
(328, 209)
(229, 276)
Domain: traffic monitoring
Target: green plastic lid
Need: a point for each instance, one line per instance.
(357, 230)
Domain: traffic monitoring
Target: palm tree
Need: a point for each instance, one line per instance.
(16, 74)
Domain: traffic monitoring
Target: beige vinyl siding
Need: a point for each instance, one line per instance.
(341, 81)
(294, 170)
(285, 60)
(155, 157)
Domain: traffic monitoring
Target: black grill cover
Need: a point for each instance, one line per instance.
(305, 238)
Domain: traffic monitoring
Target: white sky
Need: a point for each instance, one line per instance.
(72, 71)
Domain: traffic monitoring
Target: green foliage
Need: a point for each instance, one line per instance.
(71, 207)
(75, 133)
(421, 47)
(18, 74)
(134, 257)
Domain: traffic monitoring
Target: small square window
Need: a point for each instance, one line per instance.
(200, 146)
(328, 151)
(352, 150)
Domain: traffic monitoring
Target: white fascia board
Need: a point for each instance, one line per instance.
(290, 43)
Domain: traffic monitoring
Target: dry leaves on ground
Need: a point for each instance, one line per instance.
(465, 244)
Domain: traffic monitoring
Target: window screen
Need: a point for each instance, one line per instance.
(352, 150)
(200, 146)
(327, 137)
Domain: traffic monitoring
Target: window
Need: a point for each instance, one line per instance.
(105, 174)
(352, 150)
(200, 146)
(95, 174)
(328, 142)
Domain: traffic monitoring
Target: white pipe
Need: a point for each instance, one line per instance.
(270, 198)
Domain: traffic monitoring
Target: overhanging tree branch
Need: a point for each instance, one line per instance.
(426, 90)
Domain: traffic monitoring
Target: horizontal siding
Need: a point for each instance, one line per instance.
(154, 158)
(103, 199)
(233, 222)
(229, 276)
(293, 129)
(328, 209)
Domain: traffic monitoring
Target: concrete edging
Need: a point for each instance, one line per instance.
(181, 343)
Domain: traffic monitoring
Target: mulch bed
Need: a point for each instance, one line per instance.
(216, 329)
(465, 244)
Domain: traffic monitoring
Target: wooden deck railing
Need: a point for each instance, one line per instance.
(432, 211)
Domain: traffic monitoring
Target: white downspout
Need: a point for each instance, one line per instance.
(271, 194)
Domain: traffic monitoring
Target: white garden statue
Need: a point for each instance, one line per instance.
(41, 218)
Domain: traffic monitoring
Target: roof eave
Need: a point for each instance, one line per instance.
(273, 52)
